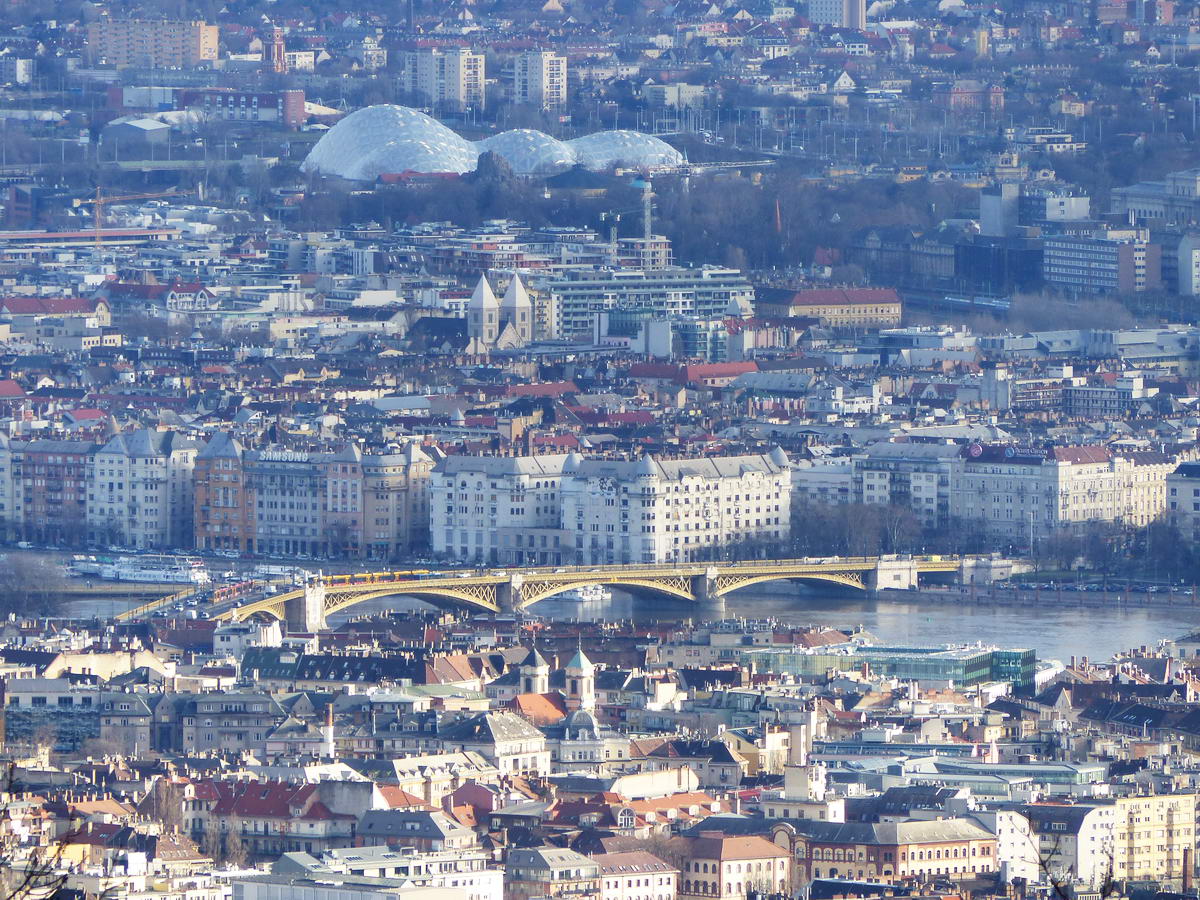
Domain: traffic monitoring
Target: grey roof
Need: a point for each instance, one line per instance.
(545, 464)
(408, 823)
(890, 450)
(914, 832)
(148, 443)
(489, 727)
(678, 469)
(221, 446)
(550, 858)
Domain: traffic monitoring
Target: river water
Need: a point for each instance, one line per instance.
(1055, 631)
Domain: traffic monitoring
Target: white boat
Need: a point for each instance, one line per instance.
(157, 570)
(84, 565)
(589, 593)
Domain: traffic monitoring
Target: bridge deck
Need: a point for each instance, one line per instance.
(482, 589)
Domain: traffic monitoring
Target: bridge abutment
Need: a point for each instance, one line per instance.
(307, 611)
(893, 574)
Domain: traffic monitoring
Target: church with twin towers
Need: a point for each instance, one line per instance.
(499, 324)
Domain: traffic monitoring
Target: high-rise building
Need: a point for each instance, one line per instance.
(455, 76)
(151, 44)
(839, 13)
(540, 79)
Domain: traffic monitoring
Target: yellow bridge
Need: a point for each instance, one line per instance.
(497, 590)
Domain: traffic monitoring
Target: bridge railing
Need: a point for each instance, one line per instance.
(153, 605)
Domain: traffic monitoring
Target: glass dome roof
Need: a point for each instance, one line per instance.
(388, 139)
(385, 139)
(530, 152)
(605, 149)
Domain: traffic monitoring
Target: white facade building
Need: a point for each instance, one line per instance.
(140, 490)
(455, 76)
(540, 79)
(564, 510)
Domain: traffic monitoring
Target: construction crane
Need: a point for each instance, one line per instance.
(100, 201)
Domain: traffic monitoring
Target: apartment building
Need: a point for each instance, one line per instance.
(1126, 838)
(1023, 494)
(396, 502)
(839, 13)
(501, 508)
(706, 292)
(455, 76)
(634, 875)
(11, 494)
(1107, 261)
(1151, 834)
(917, 476)
(140, 491)
(1018, 494)
(224, 518)
(151, 44)
(1183, 499)
(540, 79)
(282, 502)
(562, 509)
(54, 480)
(679, 510)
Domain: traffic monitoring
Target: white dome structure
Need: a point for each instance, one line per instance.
(529, 152)
(381, 139)
(388, 139)
(605, 149)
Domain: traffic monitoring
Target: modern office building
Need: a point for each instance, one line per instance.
(1108, 261)
(708, 291)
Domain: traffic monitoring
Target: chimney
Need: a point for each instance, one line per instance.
(327, 732)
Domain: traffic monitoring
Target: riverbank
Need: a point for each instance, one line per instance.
(994, 596)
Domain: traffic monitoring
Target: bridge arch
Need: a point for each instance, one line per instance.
(727, 584)
(477, 601)
(677, 586)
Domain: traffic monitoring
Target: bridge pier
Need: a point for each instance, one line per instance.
(710, 606)
(508, 593)
(306, 612)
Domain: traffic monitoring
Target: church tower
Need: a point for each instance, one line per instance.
(483, 314)
(535, 673)
(581, 682)
(517, 310)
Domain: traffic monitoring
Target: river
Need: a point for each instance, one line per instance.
(1054, 631)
